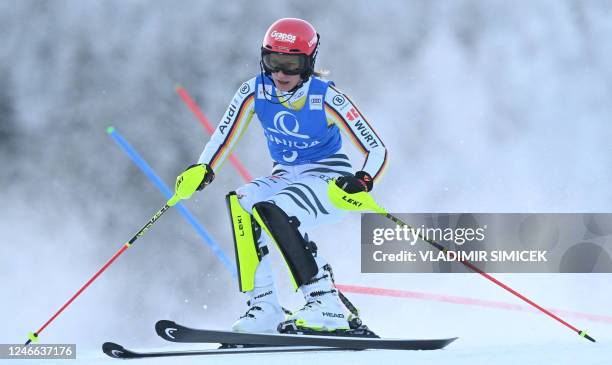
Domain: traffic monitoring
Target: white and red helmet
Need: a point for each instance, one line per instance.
(287, 37)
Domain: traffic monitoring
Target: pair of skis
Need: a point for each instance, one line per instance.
(248, 343)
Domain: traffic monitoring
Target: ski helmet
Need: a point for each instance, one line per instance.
(290, 45)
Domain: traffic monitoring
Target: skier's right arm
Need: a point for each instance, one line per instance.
(234, 122)
(229, 130)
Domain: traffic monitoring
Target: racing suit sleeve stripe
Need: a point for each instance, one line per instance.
(243, 118)
(382, 168)
(231, 139)
(339, 121)
(347, 116)
(344, 126)
(364, 119)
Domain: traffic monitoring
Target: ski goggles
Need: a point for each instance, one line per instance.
(290, 64)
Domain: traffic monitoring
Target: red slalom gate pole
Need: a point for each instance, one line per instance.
(209, 128)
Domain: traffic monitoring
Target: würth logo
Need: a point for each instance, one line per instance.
(352, 114)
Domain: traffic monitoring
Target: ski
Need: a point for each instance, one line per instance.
(117, 351)
(174, 332)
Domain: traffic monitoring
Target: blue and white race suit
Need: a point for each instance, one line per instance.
(304, 140)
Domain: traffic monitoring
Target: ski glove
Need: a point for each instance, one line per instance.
(361, 181)
(209, 175)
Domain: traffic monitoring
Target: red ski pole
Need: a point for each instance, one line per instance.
(33, 336)
(471, 266)
(186, 185)
(364, 201)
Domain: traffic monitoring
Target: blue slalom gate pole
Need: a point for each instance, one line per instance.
(131, 152)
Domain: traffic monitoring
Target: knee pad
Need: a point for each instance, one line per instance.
(246, 234)
(297, 251)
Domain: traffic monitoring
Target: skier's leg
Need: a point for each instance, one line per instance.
(254, 271)
(306, 198)
(247, 237)
(283, 230)
(247, 195)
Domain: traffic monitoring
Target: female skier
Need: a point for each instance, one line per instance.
(301, 115)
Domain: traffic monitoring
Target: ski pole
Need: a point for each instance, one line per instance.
(186, 184)
(364, 201)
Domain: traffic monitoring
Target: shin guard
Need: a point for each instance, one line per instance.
(297, 251)
(246, 234)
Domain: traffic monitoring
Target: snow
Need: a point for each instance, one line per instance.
(544, 353)
(486, 335)
(484, 107)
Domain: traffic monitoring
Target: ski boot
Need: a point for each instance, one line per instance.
(324, 311)
(264, 313)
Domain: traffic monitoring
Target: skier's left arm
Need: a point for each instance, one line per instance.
(341, 110)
